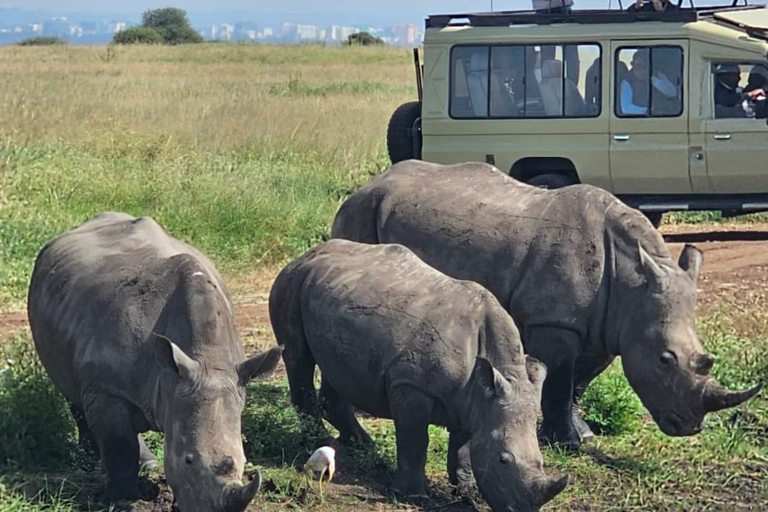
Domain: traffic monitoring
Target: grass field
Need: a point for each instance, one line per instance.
(246, 152)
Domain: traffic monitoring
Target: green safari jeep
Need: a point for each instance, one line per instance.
(666, 110)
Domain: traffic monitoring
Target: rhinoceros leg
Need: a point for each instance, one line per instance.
(412, 413)
(586, 370)
(557, 348)
(459, 464)
(109, 418)
(341, 415)
(85, 438)
(300, 367)
(147, 459)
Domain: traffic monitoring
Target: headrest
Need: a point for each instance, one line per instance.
(552, 68)
(478, 62)
(728, 68)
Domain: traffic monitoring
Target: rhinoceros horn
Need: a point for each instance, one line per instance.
(547, 488)
(717, 397)
(237, 499)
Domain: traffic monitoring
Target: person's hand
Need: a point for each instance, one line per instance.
(755, 93)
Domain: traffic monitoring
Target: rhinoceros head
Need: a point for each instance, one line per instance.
(663, 359)
(504, 450)
(204, 458)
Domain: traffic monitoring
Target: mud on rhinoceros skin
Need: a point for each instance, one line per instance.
(136, 329)
(585, 277)
(397, 339)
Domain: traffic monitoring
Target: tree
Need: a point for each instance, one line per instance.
(364, 39)
(138, 35)
(170, 23)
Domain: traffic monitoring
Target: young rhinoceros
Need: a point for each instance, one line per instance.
(398, 339)
(137, 330)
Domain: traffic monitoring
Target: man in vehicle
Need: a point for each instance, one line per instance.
(731, 100)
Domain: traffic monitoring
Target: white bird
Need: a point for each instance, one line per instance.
(322, 461)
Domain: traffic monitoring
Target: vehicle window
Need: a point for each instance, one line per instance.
(649, 81)
(739, 90)
(532, 81)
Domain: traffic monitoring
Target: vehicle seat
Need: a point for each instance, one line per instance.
(553, 87)
(502, 103)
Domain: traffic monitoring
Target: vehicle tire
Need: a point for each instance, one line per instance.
(551, 180)
(399, 143)
(655, 218)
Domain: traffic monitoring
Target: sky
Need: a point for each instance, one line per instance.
(289, 6)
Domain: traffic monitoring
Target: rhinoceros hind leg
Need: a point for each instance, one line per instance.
(412, 413)
(110, 421)
(459, 464)
(147, 459)
(300, 367)
(557, 348)
(341, 415)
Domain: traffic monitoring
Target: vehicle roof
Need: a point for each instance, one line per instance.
(727, 23)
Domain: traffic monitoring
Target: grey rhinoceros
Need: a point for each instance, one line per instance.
(137, 330)
(397, 339)
(585, 277)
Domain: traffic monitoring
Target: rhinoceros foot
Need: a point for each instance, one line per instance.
(120, 493)
(411, 486)
(560, 436)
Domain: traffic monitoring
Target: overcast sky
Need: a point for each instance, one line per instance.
(285, 6)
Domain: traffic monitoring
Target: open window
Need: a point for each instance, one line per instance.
(649, 81)
(738, 90)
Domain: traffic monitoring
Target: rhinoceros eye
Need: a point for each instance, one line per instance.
(189, 459)
(668, 358)
(507, 458)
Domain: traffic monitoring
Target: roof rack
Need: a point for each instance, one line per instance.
(594, 16)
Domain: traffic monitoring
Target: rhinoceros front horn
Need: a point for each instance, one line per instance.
(717, 397)
(547, 488)
(237, 499)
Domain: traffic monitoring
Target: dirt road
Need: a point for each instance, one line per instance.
(734, 276)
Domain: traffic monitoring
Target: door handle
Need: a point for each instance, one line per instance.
(621, 137)
(723, 136)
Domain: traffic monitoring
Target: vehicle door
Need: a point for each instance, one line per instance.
(736, 134)
(649, 143)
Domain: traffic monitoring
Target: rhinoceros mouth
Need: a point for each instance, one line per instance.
(673, 424)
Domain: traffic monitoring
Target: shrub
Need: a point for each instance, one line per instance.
(42, 41)
(138, 35)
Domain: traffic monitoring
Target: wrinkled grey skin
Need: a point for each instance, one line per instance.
(585, 277)
(137, 331)
(398, 339)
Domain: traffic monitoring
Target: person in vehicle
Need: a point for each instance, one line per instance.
(652, 6)
(731, 100)
(635, 90)
(552, 6)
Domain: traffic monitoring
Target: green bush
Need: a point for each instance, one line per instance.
(138, 35)
(610, 405)
(37, 430)
(42, 41)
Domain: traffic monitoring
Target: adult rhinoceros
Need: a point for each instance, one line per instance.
(137, 330)
(394, 337)
(585, 277)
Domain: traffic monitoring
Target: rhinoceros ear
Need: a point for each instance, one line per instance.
(537, 372)
(690, 261)
(259, 366)
(654, 273)
(170, 356)
(493, 383)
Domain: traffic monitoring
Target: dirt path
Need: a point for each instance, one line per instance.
(735, 273)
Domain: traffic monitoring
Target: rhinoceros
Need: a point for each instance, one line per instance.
(585, 277)
(397, 339)
(137, 330)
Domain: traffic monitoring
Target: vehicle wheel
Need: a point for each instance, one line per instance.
(551, 180)
(400, 143)
(655, 218)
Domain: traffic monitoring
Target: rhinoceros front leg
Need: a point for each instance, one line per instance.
(109, 418)
(557, 348)
(85, 439)
(411, 413)
(586, 370)
(459, 463)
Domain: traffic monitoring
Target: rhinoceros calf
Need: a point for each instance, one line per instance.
(137, 330)
(398, 339)
(585, 277)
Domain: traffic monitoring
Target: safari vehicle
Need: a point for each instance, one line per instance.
(622, 100)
